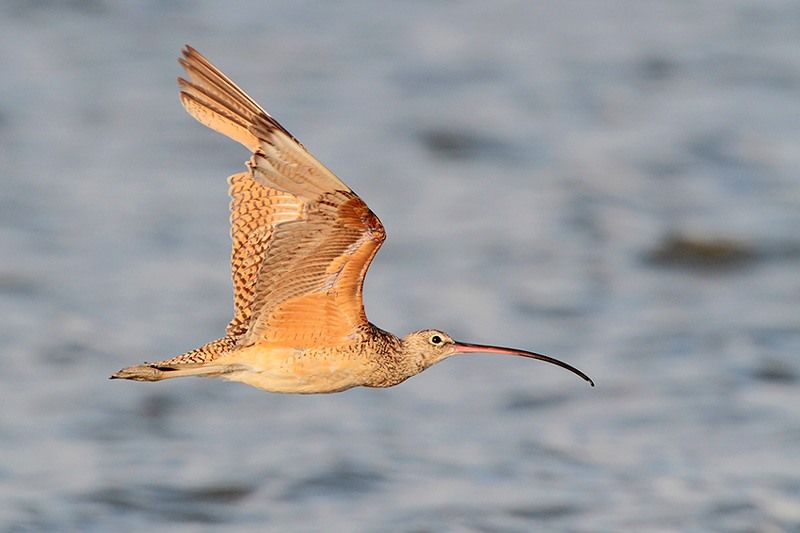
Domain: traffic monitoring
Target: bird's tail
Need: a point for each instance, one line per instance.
(199, 362)
(153, 372)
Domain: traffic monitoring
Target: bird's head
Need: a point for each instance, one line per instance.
(429, 346)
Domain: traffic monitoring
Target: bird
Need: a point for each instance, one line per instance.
(302, 244)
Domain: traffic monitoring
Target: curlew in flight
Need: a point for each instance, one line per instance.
(302, 244)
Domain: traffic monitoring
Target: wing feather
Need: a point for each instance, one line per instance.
(302, 240)
(255, 211)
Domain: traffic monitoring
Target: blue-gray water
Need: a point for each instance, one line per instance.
(612, 183)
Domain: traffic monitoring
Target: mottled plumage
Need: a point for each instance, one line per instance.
(255, 211)
(302, 244)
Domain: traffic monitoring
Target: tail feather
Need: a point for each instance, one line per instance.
(198, 362)
(153, 372)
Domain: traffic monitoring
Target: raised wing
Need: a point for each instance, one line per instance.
(309, 289)
(303, 240)
(255, 211)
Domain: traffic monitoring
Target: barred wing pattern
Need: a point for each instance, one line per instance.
(255, 211)
(302, 240)
(309, 287)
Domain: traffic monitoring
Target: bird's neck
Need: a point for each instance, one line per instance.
(391, 363)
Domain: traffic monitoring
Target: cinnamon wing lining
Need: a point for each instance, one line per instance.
(215, 101)
(309, 290)
(300, 257)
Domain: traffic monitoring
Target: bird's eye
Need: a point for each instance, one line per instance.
(436, 339)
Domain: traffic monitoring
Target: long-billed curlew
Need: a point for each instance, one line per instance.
(302, 244)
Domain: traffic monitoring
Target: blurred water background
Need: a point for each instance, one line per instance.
(612, 183)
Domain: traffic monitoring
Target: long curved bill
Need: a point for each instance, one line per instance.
(463, 347)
